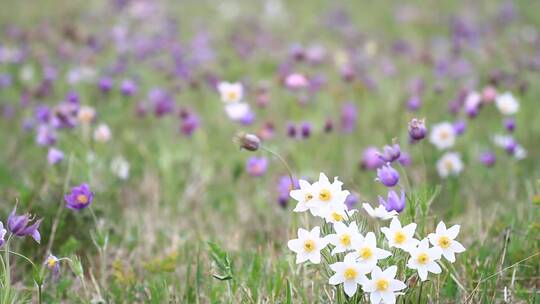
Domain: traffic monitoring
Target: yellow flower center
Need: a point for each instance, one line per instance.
(444, 135)
(232, 96)
(337, 217)
(382, 284)
(83, 199)
(449, 164)
(365, 253)
(345, 239)
(51, 262)
(325, 195)
(308, 197)
(400, 237)
(350, 273)
(444, 242)
(309, 245)
(423, 258)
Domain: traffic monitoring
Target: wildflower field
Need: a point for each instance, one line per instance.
(271, 151)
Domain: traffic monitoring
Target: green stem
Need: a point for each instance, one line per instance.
(420, 293)
(289, 171)
(7, 279)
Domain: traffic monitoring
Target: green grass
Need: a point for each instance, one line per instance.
(191, 226)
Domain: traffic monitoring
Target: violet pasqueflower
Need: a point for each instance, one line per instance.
(256, 166)
(488, 158)
(80, 197)
(390, 153)
(54, 156)
(404, 159)
(351, 200)
(414, 103)
(284, 188)
(189, 123)
(3, 232)
(128, 87)
(459, 127)
(20, 225)
(510, 124)
(105, 84)
(349, 117)
(371, 159)
(387, 175)
(417, 129)
(291, 130)
(394, 202)
(305, 129)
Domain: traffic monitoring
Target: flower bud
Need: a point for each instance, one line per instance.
(247, 141)
(417, 129)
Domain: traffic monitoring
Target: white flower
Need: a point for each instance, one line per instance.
(383, 285)
(327, 194)
(86, 114)
(350, 273)
(345, 237)
(27, 74)
(303, 196)
(380, 212)
(424, 259)
(449, 164)
(400, 237)
(367, 253)
(230, 92)
(442, 135)
(237, 111)
(102, 133)
(445, 239)
(120, 167)
(503, 141)
(337, 213)
(520, 152)
(2, 234)
(507, 104)
(81, 74)
(308, 245)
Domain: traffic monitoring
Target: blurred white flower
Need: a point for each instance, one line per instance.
(380, 212)
(86, 114)
(26, 74)
(102, 133)
(442, 135)
(507, 104)
(120, 167)
(449, 164)
(230, 92)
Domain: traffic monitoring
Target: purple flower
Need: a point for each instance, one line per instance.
(328, 126)
(162, 101)
(80, 197)
(2, 234)
(190, 123)
(72, 97)
(45, 136)
(511, 146)
(510, 124)
(404, 159)
(387, 175)
(305, 129)
(414, 103)
(248, 119)
(256, 166)
(54, 156)
(488, 158)
(349, 117)
(459, 127)
(351, 200)
(371, 159)
(284, 188)
(105, 84)
(390, 153)
(42, 113)
(20, 225)
(393, 202)
(417, 129)
(291, 130)
(128, 87)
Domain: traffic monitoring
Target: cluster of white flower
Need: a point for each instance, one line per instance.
(361, 254)
(232, 95)
(443, 136)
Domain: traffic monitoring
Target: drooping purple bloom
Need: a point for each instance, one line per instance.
(394, 202)
(459, 127)
(351, 200)
(20, 225)
(488, 158)
(387, 175)
(349, 117)
(65, 115)
(42, 113)
(510, 124)
(417, 129)
(256, 166)
(45, 135)
(54, 156)
(390, 153)
(291, 130)
(511, 146)
(72, 97)
(189, 123)
(371, 159)
(162, 101)
(80, 197)
(128, 87)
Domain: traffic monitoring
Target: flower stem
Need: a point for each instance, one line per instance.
(7, 278)
(289, 171)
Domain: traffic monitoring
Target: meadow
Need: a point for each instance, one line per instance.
(269, 151)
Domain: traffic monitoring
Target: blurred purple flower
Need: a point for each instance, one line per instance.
(417, 129)
(189, 123)
(248, 119)
(284, 188)
(459, 127)
(256, 166)
(349, 117)
(305, 129)
(45, 135)
(390, 153)
(371, 159)
(128, 87)
(404, 159)
(20, 225)
(414, 103)
(54, 156)
(42, 113)
(510, 124)
(80, 197)
(351, 200)
(488, 158)
(105, 84)
(291, 130)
